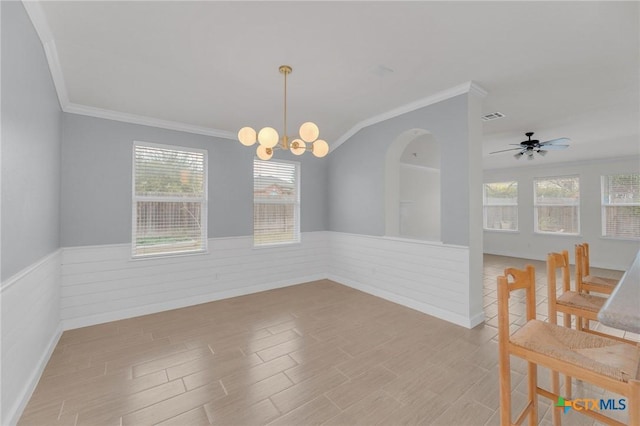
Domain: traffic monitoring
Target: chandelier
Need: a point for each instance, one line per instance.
(269, 140)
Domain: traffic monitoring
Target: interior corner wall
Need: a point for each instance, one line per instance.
(30, 218)
(434, 278)
(357, 171)
(99, 280)
(604, 252)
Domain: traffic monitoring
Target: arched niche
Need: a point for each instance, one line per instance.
(412, 186)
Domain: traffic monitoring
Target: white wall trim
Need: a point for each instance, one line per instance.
(39, 20)
(73, 323)
(425, 308)
(90, 111)
(30, 306)
(28, 270)
(429, 277)
(103, 283)
(26, 392)
(403, 109)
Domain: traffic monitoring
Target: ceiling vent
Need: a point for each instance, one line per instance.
(492, 116)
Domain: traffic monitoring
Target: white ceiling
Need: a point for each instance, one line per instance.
(561, 69)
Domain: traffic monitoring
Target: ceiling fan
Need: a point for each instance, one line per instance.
(530, 146)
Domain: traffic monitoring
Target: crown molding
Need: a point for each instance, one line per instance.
(39, 20)
(468, 87)
(146, 121)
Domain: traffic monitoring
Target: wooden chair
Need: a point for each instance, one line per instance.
(584, 306)
(587, 282)
(603, 362)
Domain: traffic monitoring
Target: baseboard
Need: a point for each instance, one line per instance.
(15, 412)
(410, 303)
(86, 321)
(543, 258)
(476, 320)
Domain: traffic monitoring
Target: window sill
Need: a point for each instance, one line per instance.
(630, 239)
(557, 234)
(502, 231)
(276, 245)
(168, 255)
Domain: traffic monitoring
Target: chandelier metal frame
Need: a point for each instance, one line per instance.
(269, 140)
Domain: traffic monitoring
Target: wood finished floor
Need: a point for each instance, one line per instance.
(317, 353)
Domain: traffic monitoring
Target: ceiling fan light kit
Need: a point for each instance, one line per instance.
(531, 146)
(269, 139)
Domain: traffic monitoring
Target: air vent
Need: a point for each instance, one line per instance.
(492, 116)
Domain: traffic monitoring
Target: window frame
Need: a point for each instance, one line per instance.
(296, 203)
(204, 200)
(485, 205)
(536, 205)
(603, 207)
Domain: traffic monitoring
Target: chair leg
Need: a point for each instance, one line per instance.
(533, 393)
(567, 379)
(555, 388)
(634, 403)
(504, 367)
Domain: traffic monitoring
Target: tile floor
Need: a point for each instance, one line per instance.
(317, 353)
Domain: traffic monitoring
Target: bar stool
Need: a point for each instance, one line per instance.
(604, 362)
(587, 282)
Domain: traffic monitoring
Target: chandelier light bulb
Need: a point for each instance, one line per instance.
(264, 153)
(268, 137)
(269, 140)
(320, 148)
(247, 136)
(298, 147)
(309, 132)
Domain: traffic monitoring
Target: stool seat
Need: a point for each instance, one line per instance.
(583, 301)
(600, 281)
(608, 357)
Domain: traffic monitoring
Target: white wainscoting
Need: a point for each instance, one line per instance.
(30, 331)
(103, 283)
(81, 286)
(429, 277)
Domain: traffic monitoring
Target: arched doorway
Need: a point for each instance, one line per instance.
(412, 187)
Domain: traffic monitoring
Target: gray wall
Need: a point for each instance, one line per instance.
(97, 173)
(603, 252)
(30, 146)
(357, 171)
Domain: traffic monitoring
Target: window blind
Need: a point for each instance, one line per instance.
(169, 200)
(557, 205)
(501, 206)
(276, 202)
(621, 205)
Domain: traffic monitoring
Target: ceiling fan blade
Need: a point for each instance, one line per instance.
(554, 147)
(505, 150)
(556, 141)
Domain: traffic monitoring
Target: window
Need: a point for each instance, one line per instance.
(621, 206)
(557, 205)
(501, 206)
(169, 200)
(276, 202)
